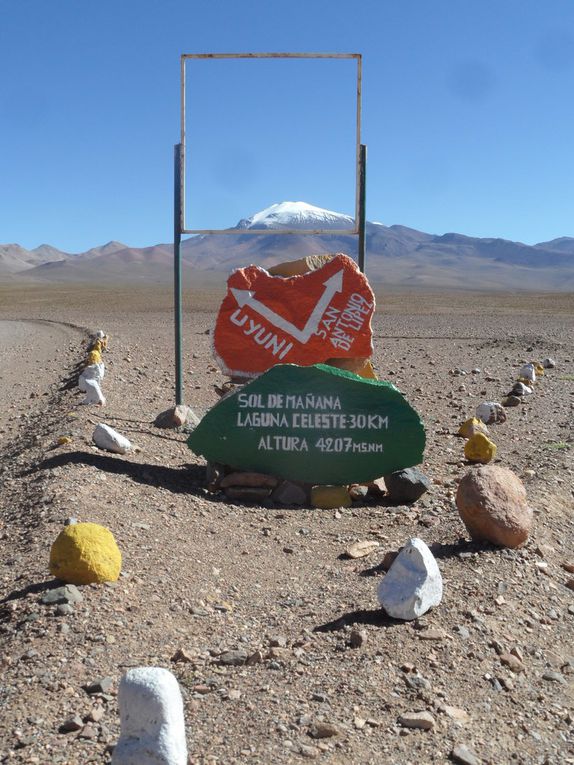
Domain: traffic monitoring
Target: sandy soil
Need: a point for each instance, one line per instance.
(206, 575)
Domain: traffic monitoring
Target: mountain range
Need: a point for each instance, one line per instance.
(396, 255)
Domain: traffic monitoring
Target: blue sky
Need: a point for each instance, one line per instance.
(468, 115)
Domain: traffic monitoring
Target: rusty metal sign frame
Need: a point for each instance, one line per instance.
(187, 56)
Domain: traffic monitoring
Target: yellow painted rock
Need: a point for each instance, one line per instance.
(94, 357)
(85, 553)
(479, 448)
(330, 497)
(64, 440)
(472, 426)
(97, 345)
(538, 368)
(361, 367)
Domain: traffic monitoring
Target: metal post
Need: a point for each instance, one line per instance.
(177, 272)
(362, 204)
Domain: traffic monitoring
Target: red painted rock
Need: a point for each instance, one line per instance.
(306, 319)
(492, 504)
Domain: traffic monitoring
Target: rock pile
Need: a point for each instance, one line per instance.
(479, 448)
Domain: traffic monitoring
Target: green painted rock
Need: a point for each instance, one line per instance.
(316, 424)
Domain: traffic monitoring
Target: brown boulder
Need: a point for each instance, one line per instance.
(491, 501)
(301, 266)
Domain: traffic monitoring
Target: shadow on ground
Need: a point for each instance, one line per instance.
(375, 616)
(186, 479)
(34, 588)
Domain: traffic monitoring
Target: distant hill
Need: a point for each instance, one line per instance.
(396, 255)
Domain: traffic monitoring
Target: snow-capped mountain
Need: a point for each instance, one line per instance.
(298, 215)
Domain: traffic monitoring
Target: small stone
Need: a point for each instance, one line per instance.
(479, 448)
(361, 549)
(330, 497)
(413, 584)
(254, 480)
(254, 658)
(309, 751)
(554, 677)
(455, 713)
(417, 683)
(406, 486)
(510, 401)
(96, 714)
(512, 662)
(182, 657)
(101, 685)
(359, 722)
(358, 491)
(491, 412)
(357, 638)
(280, 654)
(62, 595)
(71, 724)
(177, 417)
(64, 609)
(234, 658)
(421, 720)
(570, 584)
(110, 440)
(324, 730)
(491, 501)
(436, 635)
(234, 694)
(519, 390)
(214, 474)
(549, 363)
(89, 731)
(568, 566)
(278, 641)
(464, 756)
(377, 487)
(290, 493)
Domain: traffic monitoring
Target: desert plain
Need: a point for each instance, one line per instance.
(203, 576)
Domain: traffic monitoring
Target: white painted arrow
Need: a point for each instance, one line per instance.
(333, 285)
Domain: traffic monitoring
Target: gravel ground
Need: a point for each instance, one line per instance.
(205, 575)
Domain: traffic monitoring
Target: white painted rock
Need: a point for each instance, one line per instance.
(93, 372)
(520, 389)
(490, 412)
(94, 393)
(151, 718)
(528, 373)
(413, 583)
(109, 439)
